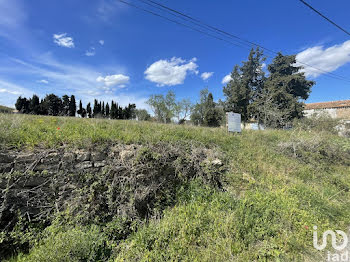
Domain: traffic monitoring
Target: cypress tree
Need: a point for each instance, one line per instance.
(88, 110)
(103, 109)
(107, 110)
(65, 105)
(72, 106)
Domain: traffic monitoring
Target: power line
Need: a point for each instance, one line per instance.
(201, 24)
(323, 16)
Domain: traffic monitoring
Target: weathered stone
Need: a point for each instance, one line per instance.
(98, 156)
(5, 158)
(100, 164)
(83, 156)
(26, 158)
(84, 165)
(68, 157)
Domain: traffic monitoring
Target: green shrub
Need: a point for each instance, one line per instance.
(74, 244)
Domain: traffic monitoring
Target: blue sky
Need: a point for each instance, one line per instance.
(106, 50)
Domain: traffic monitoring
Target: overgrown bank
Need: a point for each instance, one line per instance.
(269, 190)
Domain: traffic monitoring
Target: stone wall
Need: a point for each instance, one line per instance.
(63, 160)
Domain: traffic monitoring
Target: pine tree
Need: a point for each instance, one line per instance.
(72, 106)
(285, 88)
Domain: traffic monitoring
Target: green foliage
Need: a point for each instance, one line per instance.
(5, 109)
(206, 112)
(246, 83)
(142, 115)
(163, 107)
(279, 184)
(69, 244)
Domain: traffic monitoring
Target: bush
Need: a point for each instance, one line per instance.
(318, 123)
(69, 245)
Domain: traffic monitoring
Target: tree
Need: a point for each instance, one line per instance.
(285, 89)
(198, 111)
(163, 107)
(212, 115)
(88, 110)
(81, 111)
(142, 115)
(182, 110)
(65, 105)
(246, 83)
(72, 106)
(96, 110)
(114, 110)
(107, 110)
(34, 105)
(22, 105)
(54, 105)
(43, 107)
(103, 109)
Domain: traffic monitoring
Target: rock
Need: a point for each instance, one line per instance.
(84, 156)
(68, 157)
(26, 158)
(217, 162)
(84, 165)
(98, 156)
(100, 164)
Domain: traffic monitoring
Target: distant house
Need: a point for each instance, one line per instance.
(335, 109)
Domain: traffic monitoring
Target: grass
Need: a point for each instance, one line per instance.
(278, 186)
(5, 109)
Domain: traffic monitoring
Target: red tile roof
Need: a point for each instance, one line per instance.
(332, 104)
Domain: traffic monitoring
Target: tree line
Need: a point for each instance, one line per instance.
(273, 99)
(66, 106)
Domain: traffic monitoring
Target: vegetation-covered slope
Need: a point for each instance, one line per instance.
(276, 186)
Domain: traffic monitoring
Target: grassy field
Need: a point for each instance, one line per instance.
(278, 185)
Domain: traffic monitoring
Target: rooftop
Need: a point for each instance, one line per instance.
(331, 104)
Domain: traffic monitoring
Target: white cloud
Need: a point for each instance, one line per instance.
(43, 81)
(90, 52)
(64, 78)
(206, 75)
(10, 92)
(226, 79)
(328, 59)
(170, 72)
(63, 40)
(114, 80)
(3, 90)
(102, 42)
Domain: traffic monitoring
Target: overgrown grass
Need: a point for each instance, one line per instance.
(279, 185)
